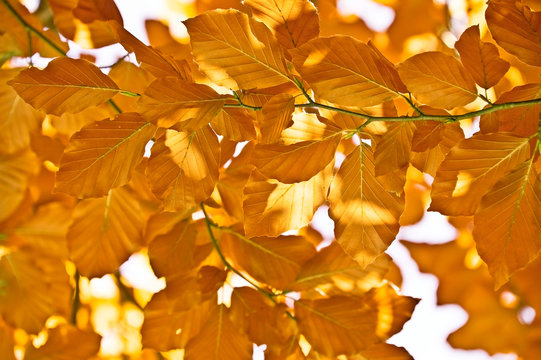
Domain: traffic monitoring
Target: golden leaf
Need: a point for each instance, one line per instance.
(338, 325)
(105, 232)
(345, 71)
(183, 168)
(274, 261)
(170, 100)
(249, 55)
(383, 351)
(293, 22)
(113, 146)
(364, 213)
(65, 342)
(472, 167)
(394, 147)
(7, 342)
(516, 29)
(271, 207)
(507, 226)
(34, 287)
(481, 59)
(438, 80)
(276, 117)
(129, 76)
(65, 85)
(234, 124)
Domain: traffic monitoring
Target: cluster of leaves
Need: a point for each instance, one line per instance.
(79, 197)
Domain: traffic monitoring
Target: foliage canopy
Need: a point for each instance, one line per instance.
(270, 110)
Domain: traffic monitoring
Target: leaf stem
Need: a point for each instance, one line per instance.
(76, 299)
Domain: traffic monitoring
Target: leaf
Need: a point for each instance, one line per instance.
(338, 325)
(427, 135)
(274, 261)
(271, 207)
(168, 101)
(15, 171)
(394, 147)
(183, 168)
(7, 342)
(114, 147)
(364, 213)
(277, 114)
(383, 351)
(65, 85)
(297, 162)
(345, 71)
(129, 76)
(219, 339)
(507, 226)
(516, 29)
(234, 124)
(293, 22)
(472, 167)
(235, 51)
(438, 80)
(65, 342)
(34, 287)
(19, 120)
(481, 59)
(105, 232)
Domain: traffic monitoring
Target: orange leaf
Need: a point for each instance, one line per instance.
(277, 114)
(7, 342)
(481, 59)
(364, 213)
(516, 28)
(114, 147)
(345, 71)
(293, 22)
(394, 147)
(249, 55)
(234, 124)
(438, 80)
(507, 226)
(170, 100)
(65, 85)
(471, 168)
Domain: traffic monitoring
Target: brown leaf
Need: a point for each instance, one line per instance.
(481, 59)
(516, 29)
(65, 85)
(249, 55)
(438, 80)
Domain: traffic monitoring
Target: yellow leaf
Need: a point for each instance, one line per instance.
(345, 71)
(68, 124)
(507, 226)
(274, 261)
(183, 168)
(276, 117)
(472, 167)
(296, 162)
(438, 80)
(105, 232)
(219, 339)
(15, 170)
(234, 124)
(7, 342)
(19, 119)
(170, 100)
(129, 76)
(308, 127)
(394, 147)
(293, 22)
(271, 207)
(481, 59)
(65, 85)
(364, 213)
(113, 146)
(65, 342)
(338, 325)
(249, 55)
(516, 29)
(383, 351)
(34, 287)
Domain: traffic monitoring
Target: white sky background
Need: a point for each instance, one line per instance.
(424, 336)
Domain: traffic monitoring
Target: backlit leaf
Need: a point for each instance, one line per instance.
(383, 351)
(234, 124)
(507, 226)
(105, 232)
(516, 29)
(276, 117)
(271, 207)
(471, 168)
(114, 147)
(7, 343)
(364, 213)
(293, 22)
(394, 147)
(438, 80)
(345, 71)
(481, 59)
(235, 51)
(65, 85)
(170, 100)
